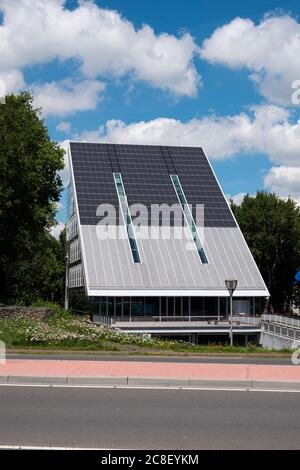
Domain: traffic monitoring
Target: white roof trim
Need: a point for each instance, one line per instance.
(94, 292)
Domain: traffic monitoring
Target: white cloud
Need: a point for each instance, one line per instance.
(67, 97)
(284, 181)
(263, 129)
(270, 50)
(100, 40)
(57, 229)
(64, 127)
(237, 198)
(65, 173)
(13, 80)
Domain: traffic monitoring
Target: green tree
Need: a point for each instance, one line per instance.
(29, 188)
(42, 276)
(271, 227)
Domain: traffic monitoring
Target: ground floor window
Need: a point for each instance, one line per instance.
(173, 307)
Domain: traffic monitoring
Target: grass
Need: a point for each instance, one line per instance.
(66, 332)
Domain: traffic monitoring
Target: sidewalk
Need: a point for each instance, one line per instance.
(149, 373)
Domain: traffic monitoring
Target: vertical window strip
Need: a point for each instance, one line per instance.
(127, 217)
(189, 218)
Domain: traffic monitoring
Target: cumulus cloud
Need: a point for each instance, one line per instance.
(236, 198)
(65, 173)
(67, 97)
(284, 181)
(269, 50)
(265, 129)
(100, 40)
(64, 127)
(13, 81)
(57, 229)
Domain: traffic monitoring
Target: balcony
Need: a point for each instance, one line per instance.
(181, 324)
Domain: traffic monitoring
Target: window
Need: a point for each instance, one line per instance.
(76, 278)
(189, 218)
(74, 251)
(127, 217)
(72, 228)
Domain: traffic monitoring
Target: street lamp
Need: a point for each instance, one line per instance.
(231, 286)
(67, 283)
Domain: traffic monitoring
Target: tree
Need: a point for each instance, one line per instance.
(42, 276)
(271, 227)
(29, 189)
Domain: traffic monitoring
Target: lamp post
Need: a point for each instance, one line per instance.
(231, 286)
(67, 283)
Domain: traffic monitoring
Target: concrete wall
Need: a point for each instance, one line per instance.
(269, 341)
(25, 312)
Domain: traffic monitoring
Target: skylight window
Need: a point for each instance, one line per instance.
(127, 217)
(189, 218)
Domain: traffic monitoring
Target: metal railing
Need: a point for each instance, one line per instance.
(102, 319)
(280, 330)
(248, 320)
(282, 320)
(157, 320)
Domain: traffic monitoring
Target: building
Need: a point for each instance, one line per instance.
(152, 240)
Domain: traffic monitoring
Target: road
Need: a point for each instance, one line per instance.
(170, 359)
(148, 419)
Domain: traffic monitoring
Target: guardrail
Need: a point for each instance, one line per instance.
(102, 319)
(282, 320)
(248, 320)
(280, 330)
(203, 320)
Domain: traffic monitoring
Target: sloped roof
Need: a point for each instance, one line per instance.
(168, 266)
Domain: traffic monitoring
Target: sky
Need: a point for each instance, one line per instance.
(221, 75)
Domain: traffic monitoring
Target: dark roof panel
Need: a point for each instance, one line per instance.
(146, 173)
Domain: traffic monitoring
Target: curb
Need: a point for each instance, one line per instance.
(247, 384)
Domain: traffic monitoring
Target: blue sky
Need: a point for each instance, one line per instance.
(233, 96)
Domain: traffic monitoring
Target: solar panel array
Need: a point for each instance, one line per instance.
(145, 171)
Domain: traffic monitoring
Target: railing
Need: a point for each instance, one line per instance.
(202, 320)
(248, 320)
(280, 330)
(102, 319)
(282, 320)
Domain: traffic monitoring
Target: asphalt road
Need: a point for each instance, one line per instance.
(148, 419)
(172, 359)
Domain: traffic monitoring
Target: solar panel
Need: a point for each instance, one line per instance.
(145, 171)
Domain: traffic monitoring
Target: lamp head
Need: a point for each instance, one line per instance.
(231, 284)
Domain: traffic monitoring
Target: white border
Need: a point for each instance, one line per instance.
(94, 292)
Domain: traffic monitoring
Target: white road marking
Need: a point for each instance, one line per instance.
(154, 387)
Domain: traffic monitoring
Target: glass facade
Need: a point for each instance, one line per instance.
(127, 217)
(202, 307)
(206, 308)
(189, 218)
